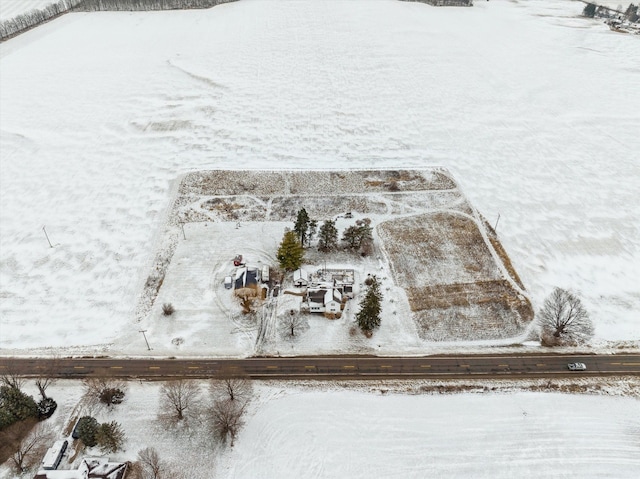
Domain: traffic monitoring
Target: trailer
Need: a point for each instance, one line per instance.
(54, 455)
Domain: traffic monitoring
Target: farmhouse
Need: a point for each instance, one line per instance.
(323, 300)
(90, 468)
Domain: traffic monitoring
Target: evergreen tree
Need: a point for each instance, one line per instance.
(328, 236)
(290, 253)
(355, 236)
(302, 225)
(110, 437)
(368, 318)
(15, 406)
(589, 10)
(312, 230)
(86, 430)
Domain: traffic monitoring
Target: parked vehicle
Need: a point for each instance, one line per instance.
(54, 455)
(577, 366)
(228, 282)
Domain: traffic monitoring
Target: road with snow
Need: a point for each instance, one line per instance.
(338, 367)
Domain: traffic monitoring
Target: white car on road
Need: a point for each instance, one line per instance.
(577, 366)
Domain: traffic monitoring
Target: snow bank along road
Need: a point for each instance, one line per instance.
(323, 367)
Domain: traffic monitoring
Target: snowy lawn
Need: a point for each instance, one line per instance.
(320, 430)
(529, 106)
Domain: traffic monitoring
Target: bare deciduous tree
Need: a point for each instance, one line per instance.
(28, 448)
(179, 398)
(46, 376)
(226, 419)
(231, 385)
(152, 466)
(293, 322)
(248, 298)
(12, 379)
(564, 320)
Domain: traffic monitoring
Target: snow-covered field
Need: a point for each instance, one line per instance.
(529, 106)
(378, 430)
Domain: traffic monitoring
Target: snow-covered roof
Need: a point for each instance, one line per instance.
(90, 468)
(300, 274)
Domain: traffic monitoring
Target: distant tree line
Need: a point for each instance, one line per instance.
(144, 5)
(25, 21)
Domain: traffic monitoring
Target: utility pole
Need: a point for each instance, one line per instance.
(48, 240)
(145, 338)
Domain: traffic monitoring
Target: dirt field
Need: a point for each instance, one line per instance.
(454, 286)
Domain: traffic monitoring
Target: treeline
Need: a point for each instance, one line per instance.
(25, 21)
(144, 5)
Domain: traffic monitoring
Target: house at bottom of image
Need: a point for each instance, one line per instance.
(90, 468)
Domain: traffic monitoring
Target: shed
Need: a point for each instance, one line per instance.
(300, 278)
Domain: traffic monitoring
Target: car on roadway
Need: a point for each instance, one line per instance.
(577, 366)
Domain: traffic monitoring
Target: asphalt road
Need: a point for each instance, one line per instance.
(337, 367)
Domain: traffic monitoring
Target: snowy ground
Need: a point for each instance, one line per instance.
(391, 429)
(528, 105)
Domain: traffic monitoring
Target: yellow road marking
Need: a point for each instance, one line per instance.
(386, 366)
(465, 366)
(348, 367)
(540, 365)
(503, 365)
(616, 364)
(78, 367)
(116, 367)
(425, 365)
(309, 367)
(272, 367)
(154, 367)
(630, 364)
(193, 367)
